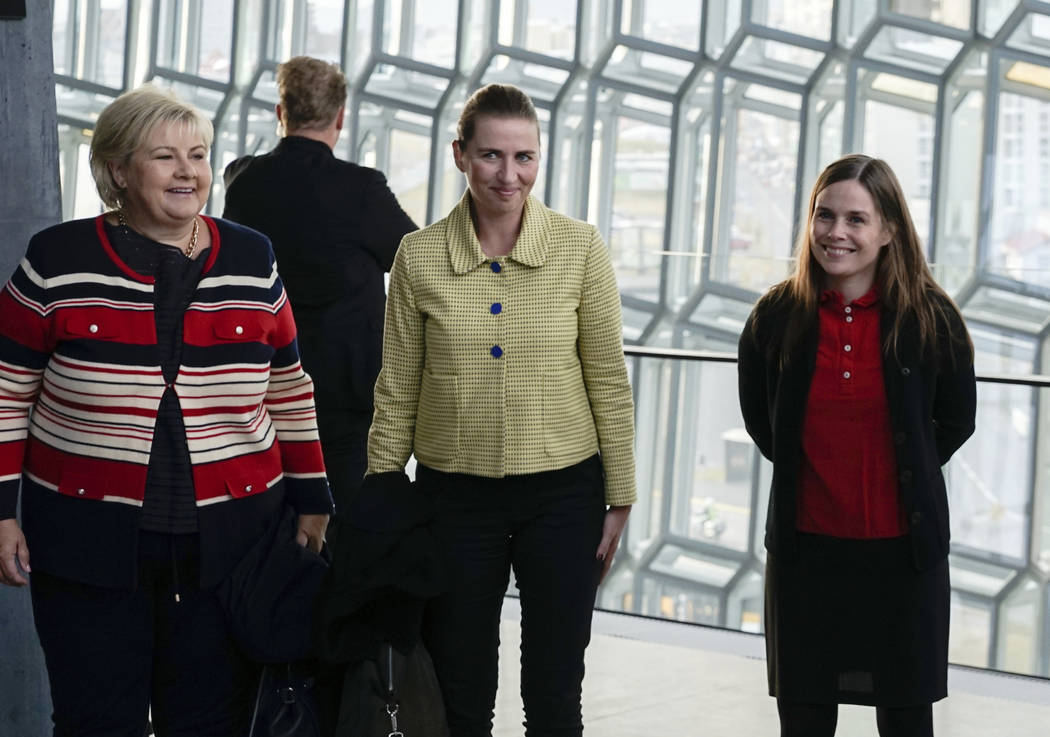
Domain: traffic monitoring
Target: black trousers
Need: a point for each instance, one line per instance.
(819, 720)
(113, 654)
(546, 527)
(344, 443)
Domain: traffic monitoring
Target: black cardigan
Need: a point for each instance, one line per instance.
(932, 401)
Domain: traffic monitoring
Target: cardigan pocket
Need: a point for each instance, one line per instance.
(568, 424)
(238, 328)
(437, 420)
(82, 485)
(78, 324)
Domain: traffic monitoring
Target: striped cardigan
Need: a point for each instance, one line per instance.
(81, 384)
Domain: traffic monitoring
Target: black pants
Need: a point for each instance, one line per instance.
(819, 720)
(547, 527)
(114, 654)
(344, 443)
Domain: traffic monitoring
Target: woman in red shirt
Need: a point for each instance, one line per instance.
(857, 382)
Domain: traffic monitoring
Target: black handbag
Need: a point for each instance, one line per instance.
(269, 596)
(393, 695)
(286, 703)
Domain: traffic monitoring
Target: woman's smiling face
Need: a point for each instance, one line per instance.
(167, 180)
(501, 162)
(846, 236)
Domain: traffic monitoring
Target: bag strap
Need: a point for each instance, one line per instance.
(392, 705)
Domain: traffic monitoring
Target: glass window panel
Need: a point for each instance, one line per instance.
(1009, 309)
(681, 602)
(641, 67)
(428, 36)
(955, 13)
(408, 171)
(1019, 629)
(1032, 34)
(921, 51)
(266, 88)
(541, 83)
(989, 479)
(711, 501)
(903, 137)
(1020, 219)
(780, 60)
(804, 17)
(195, 36)
(324, 34)
(977, 578)
(721, 313)
(641, 159)
(360, 37)
(957, 226)
(993, 13)
(674, 560)
(549, 26)
(970, 633)
(80, 104)
(88, 40)
(829, 142)
(572, 141)
(745, 608)
(401, 84)
(723, 21)
(667, 21)
(652, 380)
(686, 254)
(753, 247)
(1041, 503)
(79, 197)
(854, 17)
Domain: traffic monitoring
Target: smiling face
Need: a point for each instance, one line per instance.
(501, 162)
(167, 179)
(846, 236)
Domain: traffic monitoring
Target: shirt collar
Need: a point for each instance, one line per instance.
(869, 298)
(464, 248)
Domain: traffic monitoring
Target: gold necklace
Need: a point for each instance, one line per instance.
(188, 250)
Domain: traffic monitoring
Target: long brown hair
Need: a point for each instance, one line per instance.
(902, 276)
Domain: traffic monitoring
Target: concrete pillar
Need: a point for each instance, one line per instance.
(29, 201)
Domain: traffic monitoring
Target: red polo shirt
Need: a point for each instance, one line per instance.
(848, 481)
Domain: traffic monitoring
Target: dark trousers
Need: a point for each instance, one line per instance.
(113, 654)
(819, 720)
(344, 443)
(546, 527)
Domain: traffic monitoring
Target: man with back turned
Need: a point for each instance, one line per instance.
(335, 227)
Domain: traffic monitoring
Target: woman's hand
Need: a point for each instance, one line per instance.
(311, 531)
(612, 528)
(13, 546)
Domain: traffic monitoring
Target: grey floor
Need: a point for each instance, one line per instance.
(649, 679)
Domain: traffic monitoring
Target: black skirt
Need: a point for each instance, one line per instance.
(853, 622)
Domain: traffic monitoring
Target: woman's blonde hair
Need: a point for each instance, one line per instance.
(127, 122)
(902, 276)
(312, 93)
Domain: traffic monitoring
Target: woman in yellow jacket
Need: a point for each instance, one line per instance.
(503, 372)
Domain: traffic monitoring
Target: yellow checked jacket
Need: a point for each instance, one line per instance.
(505, 366)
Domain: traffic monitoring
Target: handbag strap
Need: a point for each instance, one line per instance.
(392, 705)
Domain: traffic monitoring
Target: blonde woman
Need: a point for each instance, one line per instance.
(170, 425)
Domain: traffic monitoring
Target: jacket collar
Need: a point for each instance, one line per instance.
(301, 143)
(464, 248)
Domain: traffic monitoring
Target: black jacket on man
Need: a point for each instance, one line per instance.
(335, 227)
(932, 402)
